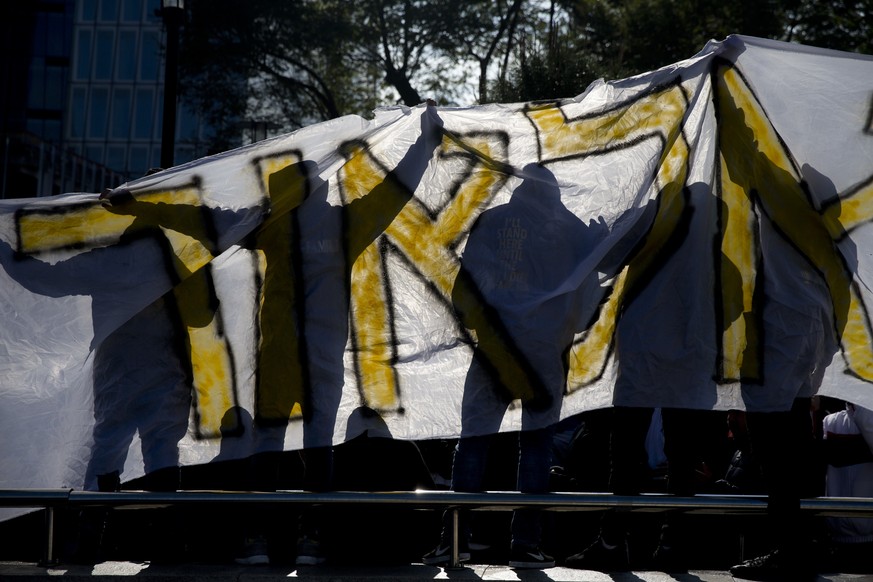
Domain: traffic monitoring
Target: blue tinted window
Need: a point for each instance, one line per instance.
(183, 154)
(77, 113)
(131, 11)
(94, 154)
(39, 35)
(152, 6)
(189, 124)
(83, 57)
(148, 66)
(54, 87)
(139, 161)
(34, 126)
(115, 158)
(120, 128)
(36, 88)
(109, 10)
(103, 55)
(97, 113)
(126, 55)
(52, 130)
(143, 121)
(55, 44)
(89, 9)
(159, 115)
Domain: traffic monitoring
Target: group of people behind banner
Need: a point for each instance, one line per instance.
(517, 254)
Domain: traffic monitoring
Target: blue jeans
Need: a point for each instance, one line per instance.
(534, 464)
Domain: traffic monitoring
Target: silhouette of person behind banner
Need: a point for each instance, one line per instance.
(330, 238)
(153, 402)
(141, 385)
(520, 260)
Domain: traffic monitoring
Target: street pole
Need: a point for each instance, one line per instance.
(173, 13)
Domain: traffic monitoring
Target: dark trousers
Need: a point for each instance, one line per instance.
(784, 444)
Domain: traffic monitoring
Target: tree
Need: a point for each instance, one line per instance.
(401, 38)
(548, 62)
(627, 37)
(619, 38)
(478, 30)
(285, 62)
(844, 25)
(297, 62)
(549, 69)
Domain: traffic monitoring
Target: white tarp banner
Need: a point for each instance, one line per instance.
(698, 236)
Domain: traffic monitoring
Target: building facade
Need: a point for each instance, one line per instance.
(82, 107)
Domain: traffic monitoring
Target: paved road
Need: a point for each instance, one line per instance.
(125, 571)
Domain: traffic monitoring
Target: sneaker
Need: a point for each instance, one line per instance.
(668, 559)
(442, 554)
(668, 556)
(309, 552)
(777, 565)
(601, 556)
(254, 553)
(526, 557)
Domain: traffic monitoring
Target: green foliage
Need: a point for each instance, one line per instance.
(284, 62)
(626, 37)
(844, 25)
(614, 39)
(398, 38)
(295, 62)
(543, 73)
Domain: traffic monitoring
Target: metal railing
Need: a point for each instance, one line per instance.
(53, 499)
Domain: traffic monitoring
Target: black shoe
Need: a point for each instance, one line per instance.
(253, 553)
(442, 554)
(776, 566)
(92, 540)
(669, 555)
(668, 559)
(309, 551)
(527, 557)
(600, 556)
